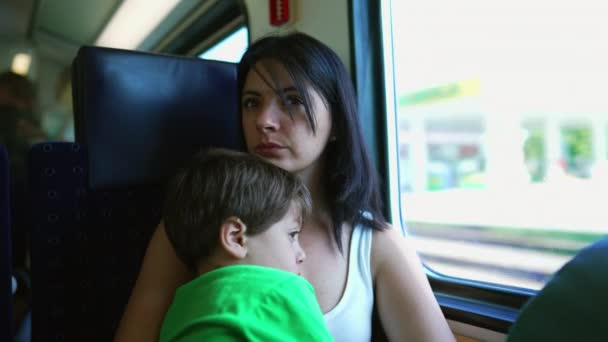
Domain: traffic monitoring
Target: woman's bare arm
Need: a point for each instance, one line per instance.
(407, 307)
(160, 275)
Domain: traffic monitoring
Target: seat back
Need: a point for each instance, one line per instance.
(86, 245)
(6, 307)
(572, 305)
(95, 203)
(141, 114)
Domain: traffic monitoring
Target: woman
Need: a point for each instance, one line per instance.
(298, 112)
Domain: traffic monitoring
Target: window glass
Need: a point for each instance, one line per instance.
(229, 49)
(500, 119)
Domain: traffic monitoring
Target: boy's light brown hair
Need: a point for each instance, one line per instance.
(217, 184)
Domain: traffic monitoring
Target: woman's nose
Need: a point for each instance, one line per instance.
(268, 118)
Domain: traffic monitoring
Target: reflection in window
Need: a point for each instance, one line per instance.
(502, 133)
(230, 49)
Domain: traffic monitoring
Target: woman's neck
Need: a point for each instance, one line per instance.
(313, 178)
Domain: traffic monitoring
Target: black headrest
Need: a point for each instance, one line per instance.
(141, 114)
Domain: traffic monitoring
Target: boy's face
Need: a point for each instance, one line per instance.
(278, 246)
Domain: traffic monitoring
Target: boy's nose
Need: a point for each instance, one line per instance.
(301, 256)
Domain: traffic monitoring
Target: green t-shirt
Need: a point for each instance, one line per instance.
(245, 303)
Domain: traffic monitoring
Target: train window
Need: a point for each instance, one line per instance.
(229, 49)
(498, 130)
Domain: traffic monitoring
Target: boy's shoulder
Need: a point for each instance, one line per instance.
(250, 279)
(251, 300)
(242, 290)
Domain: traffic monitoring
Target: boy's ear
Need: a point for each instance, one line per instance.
(233, 238)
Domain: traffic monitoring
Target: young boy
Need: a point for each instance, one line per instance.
(234, 220)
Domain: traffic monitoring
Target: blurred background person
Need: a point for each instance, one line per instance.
(19, 125)
(19, 128)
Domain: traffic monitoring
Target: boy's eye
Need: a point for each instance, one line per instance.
(294, 235)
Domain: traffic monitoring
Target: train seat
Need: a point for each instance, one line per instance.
(95, 203)
(572, 305)
(6, 308)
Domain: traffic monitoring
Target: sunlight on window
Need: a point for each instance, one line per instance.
(231, 49)
(502, 126)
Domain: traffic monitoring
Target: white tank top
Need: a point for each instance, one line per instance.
(351, 319)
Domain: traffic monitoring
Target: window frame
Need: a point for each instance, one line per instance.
(221, 19)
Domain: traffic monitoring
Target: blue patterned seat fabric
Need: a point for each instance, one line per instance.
(87, 246)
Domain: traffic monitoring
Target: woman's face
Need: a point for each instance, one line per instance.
(269, 130)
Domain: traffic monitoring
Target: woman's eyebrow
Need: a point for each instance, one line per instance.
(290, 88)
(252, 92)
(257, 93)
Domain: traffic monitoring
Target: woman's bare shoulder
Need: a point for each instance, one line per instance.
(386, 243)
(402, 290)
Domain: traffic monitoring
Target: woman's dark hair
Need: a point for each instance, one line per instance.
(217, 184)
(350, 181)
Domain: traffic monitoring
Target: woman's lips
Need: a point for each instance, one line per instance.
(269, 149)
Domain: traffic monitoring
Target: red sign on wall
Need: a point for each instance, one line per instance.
(279, 12)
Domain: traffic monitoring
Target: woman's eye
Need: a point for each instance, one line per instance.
(294, 235)
(249, 103)
(293, 100)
